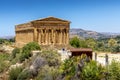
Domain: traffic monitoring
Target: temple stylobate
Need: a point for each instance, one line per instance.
(46, 31)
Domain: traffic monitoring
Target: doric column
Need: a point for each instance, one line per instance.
(35, 34)
(41, 36)
(67, 37)
(60, 36)
(48, 37)
(45, 36)
(52, 36)
(46, 33)
(63, 36)
(39, 40)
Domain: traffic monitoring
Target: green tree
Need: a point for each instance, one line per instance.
(112, 42)
(75, 42)
(116, 48)
(91, 43)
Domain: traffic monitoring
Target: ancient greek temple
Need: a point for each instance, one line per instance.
(46, 31)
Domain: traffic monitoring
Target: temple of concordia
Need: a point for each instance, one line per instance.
(46, 31)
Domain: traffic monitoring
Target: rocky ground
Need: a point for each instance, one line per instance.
(6, 49)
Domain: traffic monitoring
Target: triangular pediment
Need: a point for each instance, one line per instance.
(52, 19)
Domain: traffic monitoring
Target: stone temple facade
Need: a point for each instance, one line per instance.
(46, 31)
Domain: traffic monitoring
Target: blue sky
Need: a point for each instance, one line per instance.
(96, 15)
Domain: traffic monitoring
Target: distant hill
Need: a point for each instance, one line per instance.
(7, 37)
(91, 34)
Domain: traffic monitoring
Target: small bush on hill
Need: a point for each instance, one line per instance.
(26, 50)
(48, 73)
(52, 57)
(114, 70)
(24, 75)
(30, 46)
(14, 72)
(3, 64)
(92, 71)
(14, 52)
(38, 62)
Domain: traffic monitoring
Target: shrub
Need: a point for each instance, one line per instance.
(114, 70)
(15, 51)
(30, 46)
(26, 50)
(81, 68)
(92, 71)
(25, 74)
(48, 73)
(52, 57)
(38, 62)
(69, 68)
(14, 72)
(4, 65)
(23, 56)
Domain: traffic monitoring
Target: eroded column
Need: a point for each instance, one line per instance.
(67, 41)
(52, 37)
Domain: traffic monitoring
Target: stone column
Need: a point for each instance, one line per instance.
(60, 36)
(52, 36)
(41, 36)
(63, 36)
(67, 41)
(35, 34)
(45, 36)
(39, 40)
(48, 36)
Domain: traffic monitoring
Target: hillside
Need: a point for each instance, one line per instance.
(92, 34)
